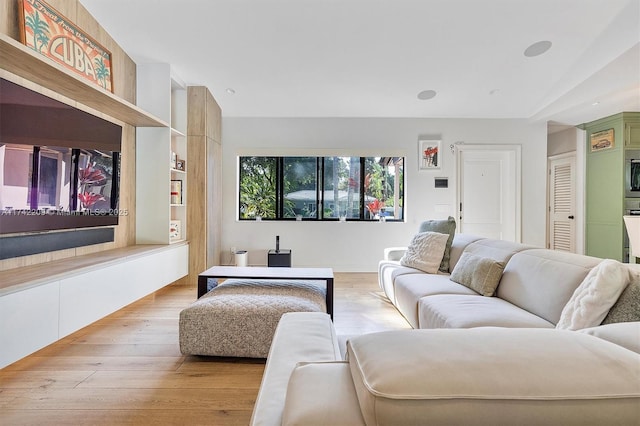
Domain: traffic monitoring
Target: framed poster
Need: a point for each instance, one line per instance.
(48, 32)
(602, 140)
(429, 154)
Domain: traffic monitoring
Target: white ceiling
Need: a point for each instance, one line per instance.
(370, 58)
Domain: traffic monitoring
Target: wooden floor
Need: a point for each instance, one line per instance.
(127, 369)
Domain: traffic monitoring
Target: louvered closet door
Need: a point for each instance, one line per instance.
(562, 200)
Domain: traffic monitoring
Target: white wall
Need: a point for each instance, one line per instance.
(359, 246)
(562, 142)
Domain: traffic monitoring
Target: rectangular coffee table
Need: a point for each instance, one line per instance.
(311, 274)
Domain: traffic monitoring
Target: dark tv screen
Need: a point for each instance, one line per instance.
(59, 166)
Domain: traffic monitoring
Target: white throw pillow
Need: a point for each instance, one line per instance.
(591, 301)
(425, 251)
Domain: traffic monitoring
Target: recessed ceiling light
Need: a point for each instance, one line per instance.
(426, 94)
(230, 91)
(595, 103)
(537, 48)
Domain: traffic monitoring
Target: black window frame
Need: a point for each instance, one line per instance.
(320, 191)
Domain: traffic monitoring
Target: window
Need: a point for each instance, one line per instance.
(321, 188)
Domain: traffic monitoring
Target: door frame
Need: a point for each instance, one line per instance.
(509, 148)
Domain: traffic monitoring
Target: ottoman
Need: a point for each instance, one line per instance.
(238, 318)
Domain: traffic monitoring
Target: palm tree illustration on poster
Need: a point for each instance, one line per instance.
(49, 33)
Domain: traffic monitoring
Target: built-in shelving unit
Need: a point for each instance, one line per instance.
(161, 206)
(51, 300)
(24, 62)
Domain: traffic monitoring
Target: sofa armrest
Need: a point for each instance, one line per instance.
(299, 337)
(394, 253)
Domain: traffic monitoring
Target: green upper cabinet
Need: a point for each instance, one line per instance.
(632, 133)
(606, 142)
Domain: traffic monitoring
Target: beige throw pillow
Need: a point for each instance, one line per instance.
(480, 274)
(425, 251)
(447, 226)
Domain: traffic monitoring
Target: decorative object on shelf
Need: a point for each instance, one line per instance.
(429, 154)
(175, 229)
(602, 140)
(176, 191)
(180, 165)
(174, 160)
(48, 32)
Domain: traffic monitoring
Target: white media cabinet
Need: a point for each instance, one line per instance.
(43, 303)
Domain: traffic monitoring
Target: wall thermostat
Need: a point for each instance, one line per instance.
(442, 182)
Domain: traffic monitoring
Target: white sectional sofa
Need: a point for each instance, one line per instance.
(535, 286)
(471, 360)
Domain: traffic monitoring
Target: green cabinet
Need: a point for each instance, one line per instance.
(605, 186)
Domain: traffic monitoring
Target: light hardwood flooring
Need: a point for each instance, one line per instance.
(127, 369)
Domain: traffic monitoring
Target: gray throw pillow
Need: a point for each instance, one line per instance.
(447, 226)
(480, 274)
(627, 307)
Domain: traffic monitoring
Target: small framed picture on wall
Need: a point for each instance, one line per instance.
(429, 154)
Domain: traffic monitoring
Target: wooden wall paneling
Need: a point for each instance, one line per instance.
(214, 115)
(214, 173)
(9, 19)
(196, 110)
(214, 202)
(67, 8)
(197, 207)
(204, 173)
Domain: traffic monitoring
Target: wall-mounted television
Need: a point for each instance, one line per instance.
(59, 166)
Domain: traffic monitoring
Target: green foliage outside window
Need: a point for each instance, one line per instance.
(317, 188)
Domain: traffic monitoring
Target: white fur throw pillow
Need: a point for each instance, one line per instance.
(425, 251)
(593, 298)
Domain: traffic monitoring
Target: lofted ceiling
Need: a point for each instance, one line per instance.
(371, 58)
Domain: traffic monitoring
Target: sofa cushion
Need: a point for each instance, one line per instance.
(448, 227)
(321, 393)
(627, 307)
(425, 251)
(541, 281)
(480, 274)
(594, 297)
(625, 334)
(460, 242)
(496, 376)
(410, 288)
(460, 311)
(499, 250)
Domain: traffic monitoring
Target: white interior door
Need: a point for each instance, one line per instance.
(562, 203)
(489, 191)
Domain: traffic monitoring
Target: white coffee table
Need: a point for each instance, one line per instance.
(311, 274)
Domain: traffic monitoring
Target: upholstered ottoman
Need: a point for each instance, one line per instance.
(239, 317)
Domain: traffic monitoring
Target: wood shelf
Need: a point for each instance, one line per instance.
(18, 59)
